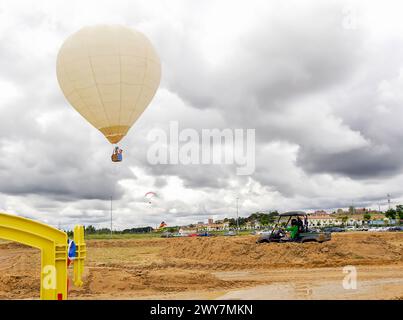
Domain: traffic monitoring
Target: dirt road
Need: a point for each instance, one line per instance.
(221, 268)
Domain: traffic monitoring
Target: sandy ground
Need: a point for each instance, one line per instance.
(221, 268)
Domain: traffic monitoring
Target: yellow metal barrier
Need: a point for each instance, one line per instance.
(53, 245)
(81, 253)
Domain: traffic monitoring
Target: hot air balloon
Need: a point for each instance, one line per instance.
(109, 74)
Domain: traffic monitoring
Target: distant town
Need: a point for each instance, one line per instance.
(351, 217)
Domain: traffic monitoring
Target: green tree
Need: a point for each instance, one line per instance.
(273, 216)
(90, 230)
(344, 220)
(367, 217)
(399, 211)
(232, 222)
(264, 219)
(171, 229)
(391, 214)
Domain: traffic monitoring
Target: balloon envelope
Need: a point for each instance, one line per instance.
(109, 74)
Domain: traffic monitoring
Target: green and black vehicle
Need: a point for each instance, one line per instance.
(296, 223)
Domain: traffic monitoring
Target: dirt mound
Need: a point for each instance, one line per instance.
(141, 268)
(124, 243)
(11, 245)
(243, 252)
(19, 286)
(146, 282)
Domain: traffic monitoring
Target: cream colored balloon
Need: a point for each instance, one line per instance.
(109, 74)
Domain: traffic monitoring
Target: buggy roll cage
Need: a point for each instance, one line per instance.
(291, 214)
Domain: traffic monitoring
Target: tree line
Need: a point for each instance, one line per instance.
(395, 213)
(260, 218)
(263, 219)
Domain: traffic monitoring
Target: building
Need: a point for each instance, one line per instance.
(217, 226)
(200, 226)
(210, 226)
(320, 213)
(187, 230)
(252, 225)
(323, 220)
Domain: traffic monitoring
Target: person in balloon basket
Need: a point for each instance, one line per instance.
(117, 155)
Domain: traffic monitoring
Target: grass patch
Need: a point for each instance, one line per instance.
(108, 236)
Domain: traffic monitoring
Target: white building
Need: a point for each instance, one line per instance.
(323, 221)
(332, 220)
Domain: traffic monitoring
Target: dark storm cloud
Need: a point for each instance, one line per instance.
(44, 145)
(371, 106)
(281, 59)
(53, 159)
(86, 219)
(196, 176)
(362, 163)
(277, 59)
(59, 179)
(160, 182)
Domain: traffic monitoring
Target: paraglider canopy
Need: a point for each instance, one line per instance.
(149, 195)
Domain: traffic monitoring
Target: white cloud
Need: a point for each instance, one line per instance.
(8, 92)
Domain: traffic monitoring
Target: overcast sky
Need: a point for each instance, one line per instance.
(321, 82)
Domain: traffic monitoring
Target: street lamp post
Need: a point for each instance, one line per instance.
(237, 216)
(111, 218)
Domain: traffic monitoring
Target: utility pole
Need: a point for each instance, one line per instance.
(237, 215)
(352, 207)
(111, 218)
(388, 195)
